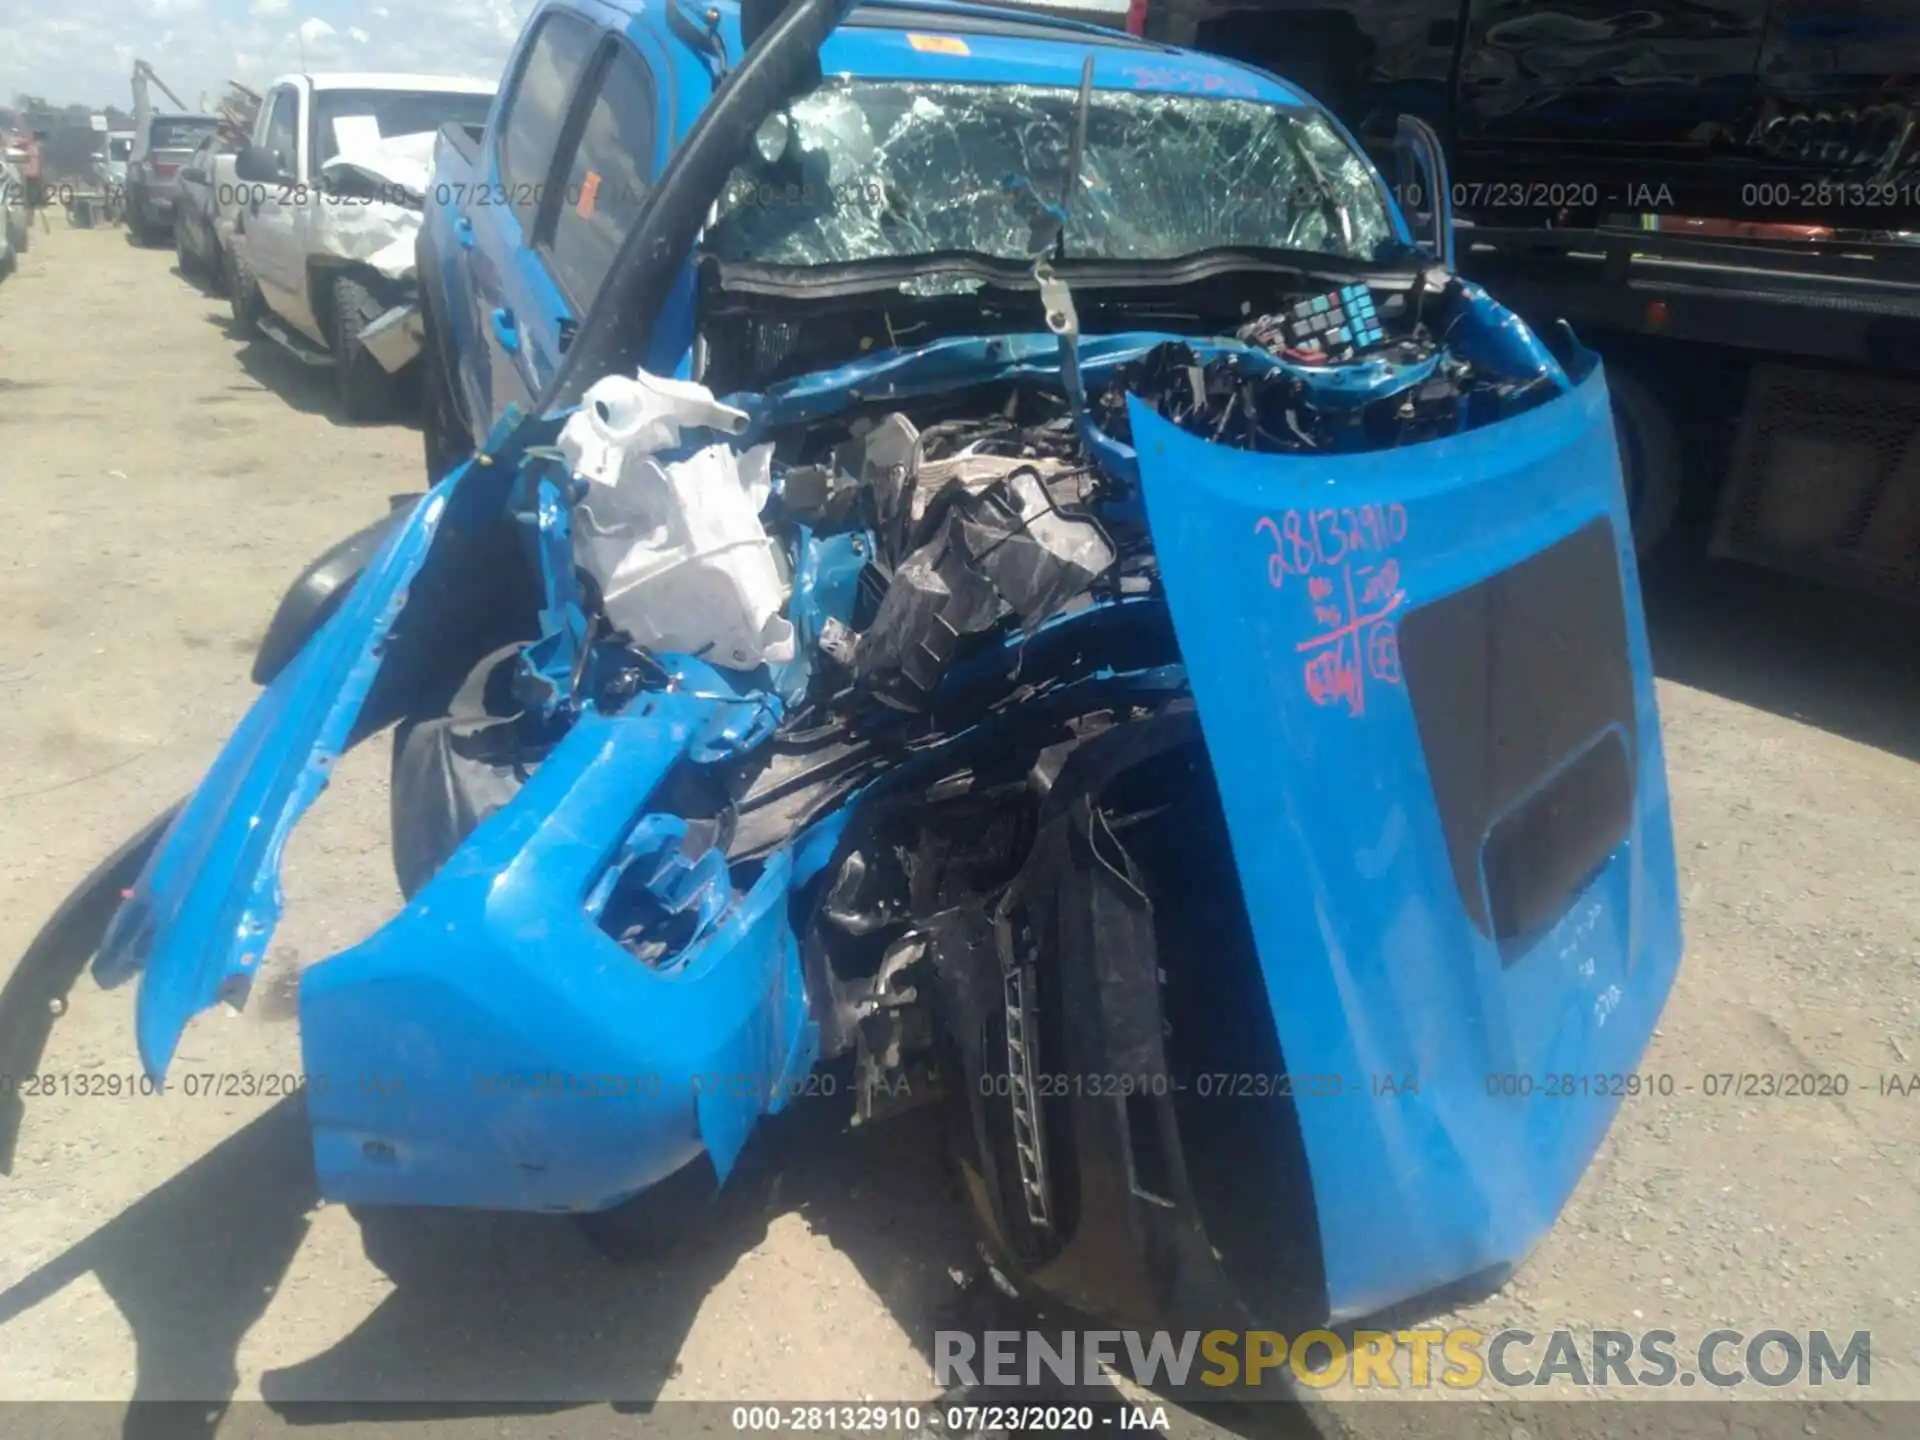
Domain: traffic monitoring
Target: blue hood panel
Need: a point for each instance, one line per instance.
(1411, 1002)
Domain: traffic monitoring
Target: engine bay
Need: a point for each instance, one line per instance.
(923, 580)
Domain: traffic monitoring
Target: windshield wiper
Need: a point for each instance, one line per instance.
(1330, 205)
(1047, 224)
(1076, 157)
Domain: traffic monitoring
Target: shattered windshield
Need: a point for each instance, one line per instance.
(868, 170)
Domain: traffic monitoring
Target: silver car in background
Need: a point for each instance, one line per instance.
(153, 173)
(204, 213)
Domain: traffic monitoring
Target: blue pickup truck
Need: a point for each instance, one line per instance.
(982, 563)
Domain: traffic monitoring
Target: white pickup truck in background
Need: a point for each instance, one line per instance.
(329, 191)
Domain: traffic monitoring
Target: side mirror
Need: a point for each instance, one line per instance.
(257, 166)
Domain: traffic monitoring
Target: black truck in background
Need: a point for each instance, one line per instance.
(1722, 196)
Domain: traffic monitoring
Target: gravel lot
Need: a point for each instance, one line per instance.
(163, 483)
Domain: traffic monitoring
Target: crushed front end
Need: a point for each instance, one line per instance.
(1206, 771)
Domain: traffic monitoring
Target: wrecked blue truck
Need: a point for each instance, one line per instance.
(992, 559)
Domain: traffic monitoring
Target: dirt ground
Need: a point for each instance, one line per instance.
(162, 483)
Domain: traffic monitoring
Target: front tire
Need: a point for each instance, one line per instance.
(362, 385)
(244, 300)
(190, 267)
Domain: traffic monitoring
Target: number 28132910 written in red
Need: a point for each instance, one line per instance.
(1340, 561)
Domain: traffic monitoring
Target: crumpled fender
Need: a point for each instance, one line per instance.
(199, 918)
(492, 1046)
(318, 591)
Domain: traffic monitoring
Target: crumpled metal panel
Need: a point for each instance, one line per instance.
(1163, 176)
(492, 1046)
(378, 229)
(1289, 578)
(199, 919)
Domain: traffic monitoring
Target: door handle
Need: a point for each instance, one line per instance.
(463, 232)
(505, 329)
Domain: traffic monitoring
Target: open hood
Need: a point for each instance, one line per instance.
(1425, 686)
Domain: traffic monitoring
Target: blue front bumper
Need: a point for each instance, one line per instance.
(492, 1046)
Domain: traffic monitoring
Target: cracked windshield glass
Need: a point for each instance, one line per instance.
(879, 170)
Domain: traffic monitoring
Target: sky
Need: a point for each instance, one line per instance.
(82, 51)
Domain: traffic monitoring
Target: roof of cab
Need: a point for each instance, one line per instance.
(391, 80)
(946, 40)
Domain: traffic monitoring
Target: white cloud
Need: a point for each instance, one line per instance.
(57, 51)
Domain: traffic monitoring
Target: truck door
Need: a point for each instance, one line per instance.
(1563, 77)
(600, 181)
(588, 197)
(272, 247)
(502, 207)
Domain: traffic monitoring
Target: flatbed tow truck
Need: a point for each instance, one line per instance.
(1764, 360)
(1767, 386)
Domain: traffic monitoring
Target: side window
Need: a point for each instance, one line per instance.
(280, 129)
(606, 179)
(537, 107)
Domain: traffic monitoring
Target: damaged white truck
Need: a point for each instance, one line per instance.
(330, 190)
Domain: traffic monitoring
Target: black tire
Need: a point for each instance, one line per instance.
(140, 225)
(446, 438)
(244, 300)
(1650, 460)
(361, 384)
(183, 256)
(430, 819)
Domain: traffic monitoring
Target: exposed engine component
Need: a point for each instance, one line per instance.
(676, 545)
(1325, 375)
(1005, 546)
(1334, 327)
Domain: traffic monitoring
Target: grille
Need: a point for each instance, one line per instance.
(1825, 480)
